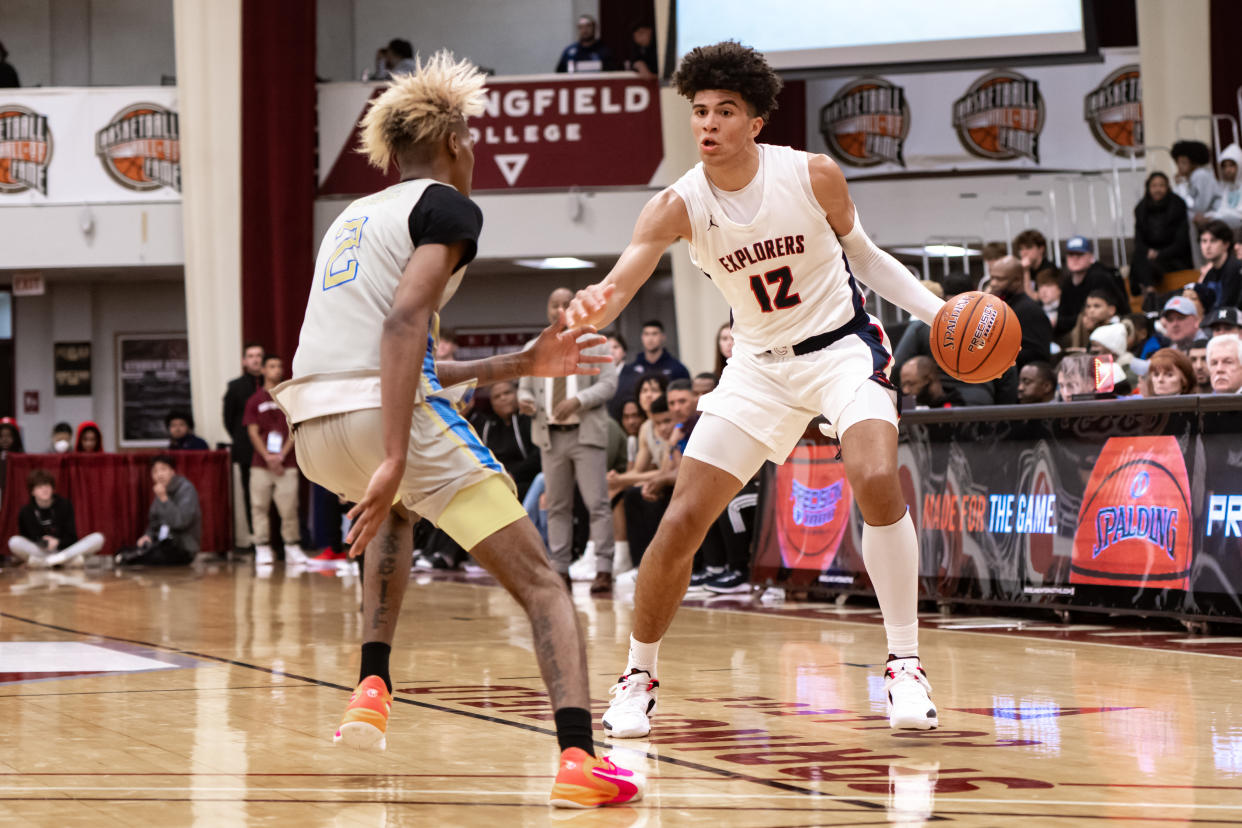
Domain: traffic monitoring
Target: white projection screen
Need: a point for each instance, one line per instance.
(808, 34)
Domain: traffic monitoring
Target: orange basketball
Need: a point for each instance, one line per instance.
(988, 138)
(130, 167)
(1122, 132)
(976, 337)
(853, 144)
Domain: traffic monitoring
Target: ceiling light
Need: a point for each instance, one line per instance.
(555, 263)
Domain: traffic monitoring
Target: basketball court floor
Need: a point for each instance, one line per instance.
(209, 697)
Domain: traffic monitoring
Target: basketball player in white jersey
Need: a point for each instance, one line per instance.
(777, 232)
(375, 421)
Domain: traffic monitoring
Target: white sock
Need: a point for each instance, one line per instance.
(891, 554)
(621, 556)
(643, 656)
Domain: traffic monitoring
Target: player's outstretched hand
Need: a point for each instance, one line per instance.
(558, 350)
(370, 512)
(589, 304)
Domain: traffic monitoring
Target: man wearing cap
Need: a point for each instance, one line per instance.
(1181, 322)
(1224, 355)
(1221, 271)
(1083, 275)
(1223, 321)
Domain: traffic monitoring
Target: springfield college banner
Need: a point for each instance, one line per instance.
(1120, 505)
(596, 130)
(1083, 116)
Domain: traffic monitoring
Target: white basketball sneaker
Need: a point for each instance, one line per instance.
(263, 555)
(634, 699)
(909, 695)
(294, 556)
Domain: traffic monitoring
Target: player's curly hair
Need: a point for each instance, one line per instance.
(732, 66)
(421, 107)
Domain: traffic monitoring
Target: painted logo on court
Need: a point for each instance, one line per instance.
(25, 149)
(1114, 112)
(140, 148)
(866, 123)
(1000, 117)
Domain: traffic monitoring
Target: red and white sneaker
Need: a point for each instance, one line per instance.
(365, 723)
(633, 702)
(909, 695)
(585, 781)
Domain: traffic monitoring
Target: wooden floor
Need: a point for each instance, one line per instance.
(209, 697)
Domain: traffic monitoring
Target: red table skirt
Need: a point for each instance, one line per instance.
(111, 493)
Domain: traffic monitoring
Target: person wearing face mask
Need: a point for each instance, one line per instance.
(62, 438)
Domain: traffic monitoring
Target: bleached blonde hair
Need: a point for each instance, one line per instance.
(422, 107)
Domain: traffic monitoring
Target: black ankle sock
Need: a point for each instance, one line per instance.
(573, 729)
(375, 662)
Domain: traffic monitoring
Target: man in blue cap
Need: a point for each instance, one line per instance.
(1084, 274)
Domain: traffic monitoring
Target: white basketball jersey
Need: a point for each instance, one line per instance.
(783, 274)
(360, 262)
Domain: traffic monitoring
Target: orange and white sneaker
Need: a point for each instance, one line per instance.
(585, 781)
(366, 718)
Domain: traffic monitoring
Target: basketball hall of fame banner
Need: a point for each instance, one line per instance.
(549, 131)
(1082, 116)
(1123, 506)
(74, 146)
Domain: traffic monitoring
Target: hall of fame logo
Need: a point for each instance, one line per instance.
(1114, 112)
(140, 148)
(1000, 117)
(866, 123)
(815, 507)
(25, 149)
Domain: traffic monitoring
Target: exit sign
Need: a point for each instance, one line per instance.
(28, 284)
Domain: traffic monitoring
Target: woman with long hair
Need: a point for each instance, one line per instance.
(724, 347)
(1169, 373)
(1161, 237)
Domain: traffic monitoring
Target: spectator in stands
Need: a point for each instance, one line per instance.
(89, 440)
(705, 383)
(446, 346)
(645, 503)
(48, 533)
(571, 429)
(638, 467)
(655, 358)
(506, 431)
(1227, 204)
(273, 470)
(724, 347)
(1036, 383)
(921, 380)
(1006, 282)
(174, 522)
(1224, 355)
(62, 438)
(1198, 363)
(1169, 373)
(1237, 244)
(1221, 272)
(181, 436)
(1110, 340)
(8, 75)
(1098, 310)
(588, 53)
(10, 443)
(1141, 339)
(1048, 293)
(1083, 275)
(1193, 180)
(642, 57)
(1223, 321)
(1032, 249)
(1181, 322)
(397, 58)
(1161, 239)
(991, 253)
(682, 401)
(1075, 375)
(238, 393)
(619, 348)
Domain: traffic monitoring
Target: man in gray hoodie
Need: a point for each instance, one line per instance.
(175, 521)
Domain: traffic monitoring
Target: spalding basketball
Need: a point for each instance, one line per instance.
(976, 337)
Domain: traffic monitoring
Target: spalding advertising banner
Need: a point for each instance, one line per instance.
(1127, 505)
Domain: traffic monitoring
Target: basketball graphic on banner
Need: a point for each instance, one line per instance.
(866, 123)
(25, 149)
(140, 148)
(813, 502)
(1135, 524)
(1000, 117)
(1114, 111)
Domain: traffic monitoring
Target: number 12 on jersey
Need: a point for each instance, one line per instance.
(783, 299)
(342, 265)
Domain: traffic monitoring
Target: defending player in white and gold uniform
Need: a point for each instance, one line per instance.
(777, 232)
(375, 422)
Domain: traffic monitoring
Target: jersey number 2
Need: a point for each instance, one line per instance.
(783, 298)
(342, 265)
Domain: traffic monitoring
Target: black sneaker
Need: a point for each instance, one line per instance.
(728, 583)
(699, 579)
